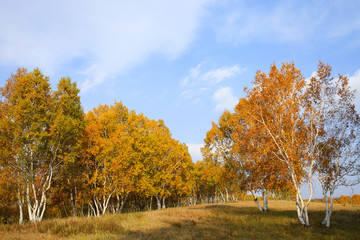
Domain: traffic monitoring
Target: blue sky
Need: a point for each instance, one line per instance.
(181, 61)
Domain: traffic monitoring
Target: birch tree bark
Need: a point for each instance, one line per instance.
(265, 200)
(20, 202)
(257, 202)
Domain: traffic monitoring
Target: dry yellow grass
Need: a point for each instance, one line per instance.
(240, 220)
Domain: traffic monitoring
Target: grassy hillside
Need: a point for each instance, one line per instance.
(240, 220)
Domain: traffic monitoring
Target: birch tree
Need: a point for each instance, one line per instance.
(262, 172)
(337, 149)
(29, 98)
(162, 160)
(102, 124)
(41, 138)
(276, 101)
(223, 163)
(67, 133)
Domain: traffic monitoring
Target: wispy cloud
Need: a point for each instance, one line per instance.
(198, 76)
(191, 77)
(192, 93)
(289, 21)
(218, 75)
(97, 75)
(200, 81)
(114, 36)
(225, 100)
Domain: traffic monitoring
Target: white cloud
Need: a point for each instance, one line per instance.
(197, 76)
(218, 75)
(355, 84)
(195, 151)
(199, 81)
(114, 36)
(225, 99)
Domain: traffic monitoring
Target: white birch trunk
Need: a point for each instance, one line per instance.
(21, 218)
(121, 202)
(101, 205)
(150, 205)
(96, 208)
(36, 209)
(328, 210)
(163, 202)
(331, 207)
(92, 210)
(300, 206)
(306, 215)
(257, 202)
(73, 200)
(326, 201)
(265, 200)
(73, 204)
(21, 205)
(158, 200)
(222, 199)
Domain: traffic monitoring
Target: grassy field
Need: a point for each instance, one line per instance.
(240, 220)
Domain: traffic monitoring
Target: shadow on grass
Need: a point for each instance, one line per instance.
(231, 222)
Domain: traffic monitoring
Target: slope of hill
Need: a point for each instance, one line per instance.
(240, 220)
